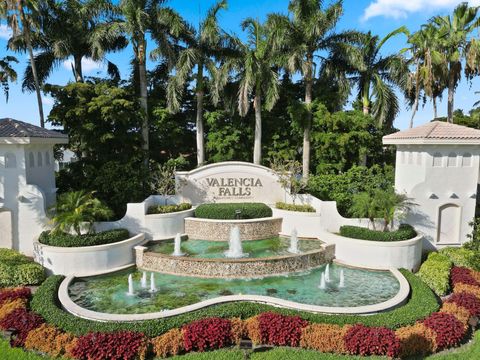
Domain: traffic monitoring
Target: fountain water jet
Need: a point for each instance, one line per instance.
(177, 251)
(322, 282)
(153, 288)
(327, 273)
(130, 286)
(294, 242)
(235, 249)
(143, 281)
(342, 279)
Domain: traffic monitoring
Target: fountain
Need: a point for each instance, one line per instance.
(130, 285)
(143, 281)
(152, 283)
(177, 246)
(327, 273)
(293, 242)
(322, 282)
(235, 249)
(342, 280)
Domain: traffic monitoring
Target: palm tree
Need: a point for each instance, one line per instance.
(7, 73)
(256, 73)
(22, 18)
(457, 45)
(374, 75)
(77, 29)
(203, 48)
(308, 30)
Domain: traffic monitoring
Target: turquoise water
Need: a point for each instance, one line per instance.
(108, 293)
(254, 248)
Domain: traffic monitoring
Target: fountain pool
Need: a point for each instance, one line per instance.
(108, 293)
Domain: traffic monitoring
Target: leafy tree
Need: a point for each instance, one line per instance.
(77, 208)
(163, 177)
(290, 177)
(7, 73)
(365, 206)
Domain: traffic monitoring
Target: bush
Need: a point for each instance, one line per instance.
(435, 272)
(9, 306)
(239, 330)
(168, 344)
(207, 334)
(18, 270)
(466, 300)
(362, 340)
(325, 338)
(461, 275)
(462, 314)
(280, 330)
(404, 232)
(14, 294)
(294, 207)
(227, 211)
(22, 322)
(253, 330)
(49, 340)
(416, 340)
(166, 209)
(472, 289)
(125, 345)
(449, 331)
(461, 257)
(70, 240)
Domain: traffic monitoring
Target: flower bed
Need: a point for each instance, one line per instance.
(70, 240)
(404, 232)
(295, 207)
(167, 209)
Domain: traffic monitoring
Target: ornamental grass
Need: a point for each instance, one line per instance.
(416, 340)
(325, 338)
(168, 344)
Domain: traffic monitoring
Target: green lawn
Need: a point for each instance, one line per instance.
(7, 353)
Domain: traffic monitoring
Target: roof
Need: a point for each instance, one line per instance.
(23, 132)
(435, 132)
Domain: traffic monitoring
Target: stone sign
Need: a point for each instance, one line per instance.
(229, 182)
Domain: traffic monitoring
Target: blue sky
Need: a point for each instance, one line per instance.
(378, 16)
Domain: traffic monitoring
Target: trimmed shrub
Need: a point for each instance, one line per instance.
(362, 340)
(166, 209)
(17, 269)
(22, 322)
(14, 294)
(295, 207)
(462, 275)
(416, 340)
(280, 330)
(325, 338)
(227, 211)
(461, 257)
(404, 232)
(124, 345)
(462, 314)
(70, 240)
(466, 300)
(49, 340)
(8, 306)
(435, 272)
(207, 334)
(168, 344)
(448, 330)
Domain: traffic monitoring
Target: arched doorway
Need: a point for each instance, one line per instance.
(449, 216)
(6, 235)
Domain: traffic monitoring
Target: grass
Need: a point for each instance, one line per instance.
(7, 353)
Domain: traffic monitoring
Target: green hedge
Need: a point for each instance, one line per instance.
(70, 240)
(404, 232)
(462, 257)
(293, 207)
(435, 272)
(18, 270)
(422, 303)
(166, 209)
(227, 211)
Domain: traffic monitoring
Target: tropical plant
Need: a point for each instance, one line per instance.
(163, 177)
(289, 175)
(77, 209)
(7, 73)
(204, 46)
(364, 206)
(457, 44)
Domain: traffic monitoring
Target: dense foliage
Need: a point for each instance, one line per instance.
(69, 240)
(365, 341)
(165, 209)
(232, 211)
(17, 269)
(295, 207)
(404, 232)
(435, 272)
(207, 334)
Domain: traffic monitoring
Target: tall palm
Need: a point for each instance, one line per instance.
(7, 73)
(375, 76)
(22, 18)
(256, 72)
(204, 47)
(76, 28)
(307, 30)
(457, 44)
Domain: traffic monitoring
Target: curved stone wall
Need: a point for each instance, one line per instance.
(233, 268)
(219, 230)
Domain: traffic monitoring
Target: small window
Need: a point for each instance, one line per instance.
(437, 160)
(10, 161)
(31, 160)
(47, 158)
(419, 158)
(39, 159)
(410, 158)
(467, 160)
(452, 160)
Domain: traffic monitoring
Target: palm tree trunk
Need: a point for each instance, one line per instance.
(26, 31)
(435, 112)
(415, 109)
(308, 120)
(77, 60)
(199, 119)
(142, 74)
(257, 146)
(451, 93)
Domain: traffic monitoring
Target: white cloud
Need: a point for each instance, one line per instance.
(88, 65)
(5, 32)
(402, 8)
